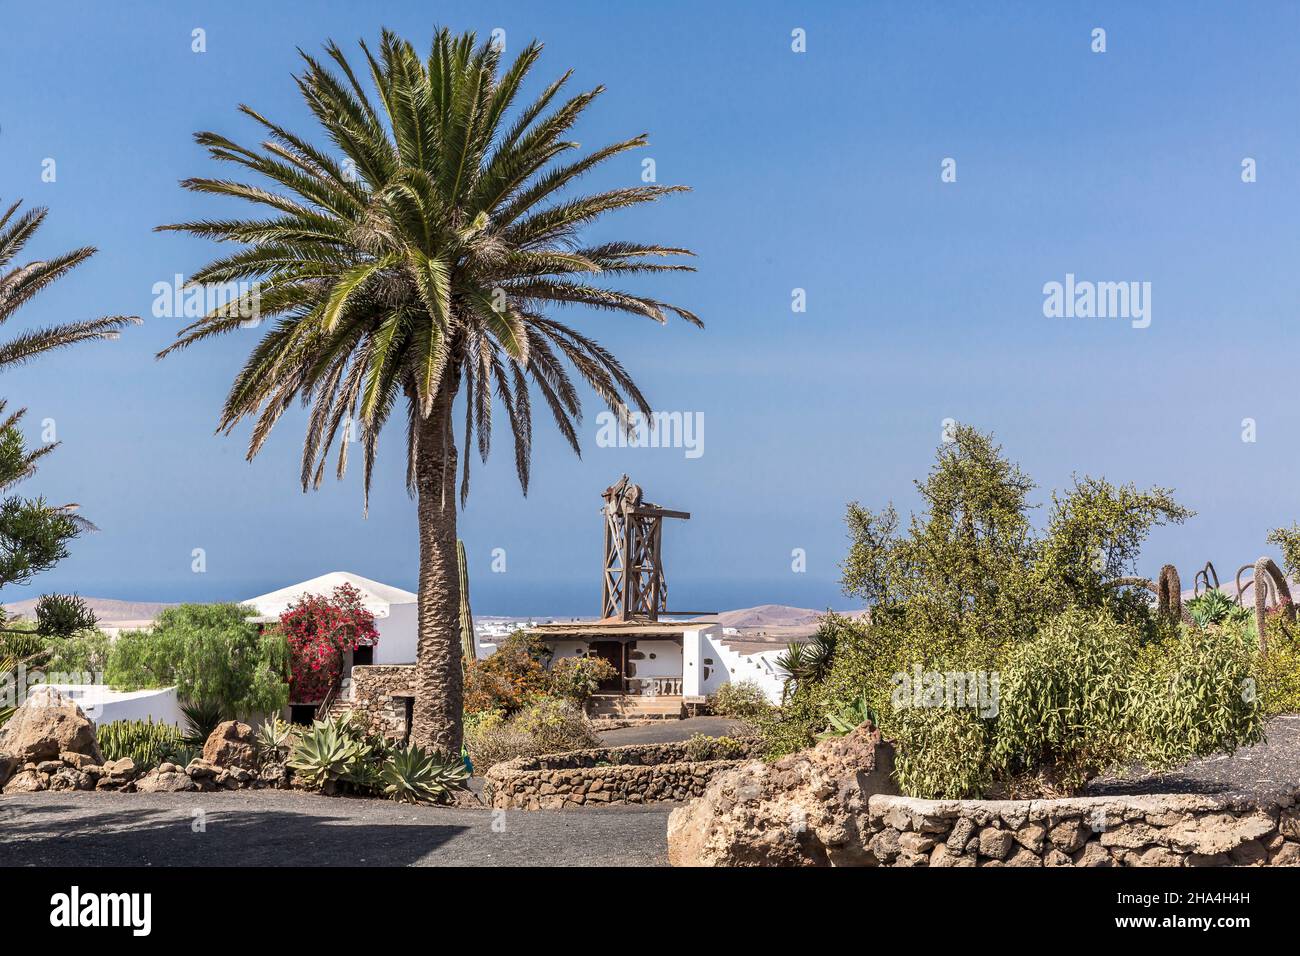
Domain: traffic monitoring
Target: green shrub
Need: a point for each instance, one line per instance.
(941, 753)
(1090, 678)
(703, 747)
(85, 653)
(211, 653)
(549, 725)
(146, 743)
(1196, 697)
(1277, 673)
(576, 679)
(496, 739)
(1065, 700)
(741, 699)
(557, 726)
(511, 677)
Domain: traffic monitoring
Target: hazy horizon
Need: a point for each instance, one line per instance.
(817, 171)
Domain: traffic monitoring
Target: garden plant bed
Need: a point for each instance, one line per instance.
(639, 773)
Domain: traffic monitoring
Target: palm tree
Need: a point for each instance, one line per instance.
(34, 533)
(21, 283)
(419, 266)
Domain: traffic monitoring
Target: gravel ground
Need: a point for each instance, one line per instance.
(288, 828)
(1264, 770)
(672, 731)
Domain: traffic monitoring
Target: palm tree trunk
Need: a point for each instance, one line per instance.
(436, 722)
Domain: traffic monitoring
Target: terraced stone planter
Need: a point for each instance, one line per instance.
(638, 773)
(836, 805)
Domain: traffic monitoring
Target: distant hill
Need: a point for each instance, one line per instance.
(106, 609)
(768, 615)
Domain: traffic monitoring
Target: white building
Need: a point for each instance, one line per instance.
(394, 610)
(661, 665)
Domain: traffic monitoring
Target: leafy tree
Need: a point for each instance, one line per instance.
(211, 653)
(420, 268)
(1288, 539)
(971, 568)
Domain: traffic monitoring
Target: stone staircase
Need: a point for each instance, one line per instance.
(633, 707)
(340, 707)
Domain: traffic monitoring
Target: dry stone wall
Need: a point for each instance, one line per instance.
(1156, 830)
(645, 773)
(379, 695)
(837, 805)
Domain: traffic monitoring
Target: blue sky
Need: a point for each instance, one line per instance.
(817, 170)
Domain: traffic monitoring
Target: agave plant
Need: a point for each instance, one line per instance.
(848, 718)
(412, 775)
(322, 755)
(1214, 607)
(274, 738)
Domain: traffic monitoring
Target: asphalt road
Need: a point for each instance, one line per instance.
(290, 828)
(672, 731)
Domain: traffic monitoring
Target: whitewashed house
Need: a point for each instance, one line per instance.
(393, 608)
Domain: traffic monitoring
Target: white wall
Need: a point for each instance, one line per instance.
(397, 635)
(103, 704)
(699, 646)
(702, 678)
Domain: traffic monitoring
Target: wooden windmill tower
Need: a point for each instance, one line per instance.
(634, 584)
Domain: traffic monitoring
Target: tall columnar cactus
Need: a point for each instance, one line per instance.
(1169, 592)
(467, 642)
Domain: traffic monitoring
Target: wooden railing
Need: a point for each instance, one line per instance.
(323, 708)
(656, 686)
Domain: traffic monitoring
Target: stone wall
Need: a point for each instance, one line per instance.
(643, 773)
(836, 804)
(1155, 830)
(379, 695)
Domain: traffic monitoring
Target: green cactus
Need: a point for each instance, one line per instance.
(467, 642)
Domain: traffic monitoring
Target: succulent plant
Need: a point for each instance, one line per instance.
(412, 775)
(322, 754)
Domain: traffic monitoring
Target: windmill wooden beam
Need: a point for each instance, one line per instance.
(634, 586)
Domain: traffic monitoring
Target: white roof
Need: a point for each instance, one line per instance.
(376, 597)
